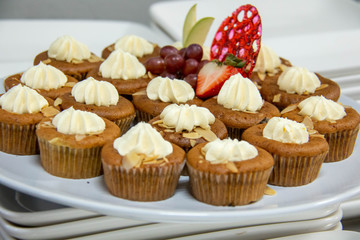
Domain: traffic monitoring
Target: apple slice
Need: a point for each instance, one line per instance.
(189, 22)
(199, 32)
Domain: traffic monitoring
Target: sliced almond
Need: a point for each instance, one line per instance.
(269, 191)
(79, 137)
(142, 92)
(312, 131)
(111, 48)
(207, 134)
(318, 135)
(289, 108)
(271, 74)
(257, 85)
(277, 98)
(49, 111)
(77, 61)
(322, 86)
(164, 126)
(150, 75)
(57, 102)
(157, 122)
(149, 158)
(308, 123)
(191, 135)
(192, 142)
(166, 160)
(70, 84)
(261, 76)
(54, 140)
(46, 61)
(93, 58)
(168, 130)
(47, 124)
(283, 67)
(231, 166)
(131, 160)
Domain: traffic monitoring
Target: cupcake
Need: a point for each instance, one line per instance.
(70, 56)
(124, 71)
(22, 108)
(187, 126)
(239, 105)
(46, 79)
(298, 155)
(268, 65)
(102, 98)
(339, 124)
(135, 45)
(141, 165)
(296, 84)
(161, 92)
(228, 172)
(71, 141)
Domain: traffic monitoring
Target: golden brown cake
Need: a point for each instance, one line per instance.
(141, 165)
(46, 79)
(239, 106)
(228, 172)
(22, 108)
(70, 56)
(296, 84)
(339, 124)
(71, 141)
(102, 98)
(160, 93)
(298, 156)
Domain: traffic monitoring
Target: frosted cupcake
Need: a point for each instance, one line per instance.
(135, 45)
(296, 84)
(239, 105)
(228, 172)
(124, 71)
(102, 98)
(46, 79)
(70, 56)
(141, 165)
(22, 108)
(338, 124)
(298, 155)
(71, 141)
(160, 93)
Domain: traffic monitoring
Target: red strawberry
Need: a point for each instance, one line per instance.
(211, 77)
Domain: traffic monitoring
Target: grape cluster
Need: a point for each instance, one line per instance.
(180, 64)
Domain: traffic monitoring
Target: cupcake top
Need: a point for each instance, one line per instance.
(135, 45)
(66, 48)
(298, 80)
(169, 90)
(320, 108)
(286, 131)
(71, 121)
(220, 151)
(240, 94)
(267, 60)
(92, 91)
(143, 139)
(22, 99)
(185, 117)
(43, 76)
(122, 65)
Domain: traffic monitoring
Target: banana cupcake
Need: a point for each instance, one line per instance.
(161, 92)
(102, 98)
(141, 165)
(22, 108)
(296, 84)
(239, 105)
(124, 71)
(228, 172)
(46, 79)
(298, 155)
(135, 45)
(339, 124)
(71, 141)
(70, 56)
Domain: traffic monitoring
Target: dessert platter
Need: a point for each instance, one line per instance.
(91, 193)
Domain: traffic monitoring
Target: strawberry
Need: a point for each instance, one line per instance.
(213, 75)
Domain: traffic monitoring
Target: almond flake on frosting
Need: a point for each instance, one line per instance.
(192, 142)
(70, 84)
(142, 92)
(289, 108)
(131, 160)
(308, 123)
(57, 102)
(231, 166)
(277, 98)
(79, 137)
(207, 134)
(322, 86)
(93, 58)
(191, 135)
(262, 76)
(46, 61)
(49, 111)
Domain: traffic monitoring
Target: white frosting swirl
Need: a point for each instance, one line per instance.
(135, 45)
(99, 93)
(169, 90)
(143, 139)
(71, 121)
(43, 76)
(267, 60)
(122, 65)
(320, 108)
(185, 117)
(22, 99)
(67, 48)
(240, 94)
(286, 131)
(229, 150)
(298, 80)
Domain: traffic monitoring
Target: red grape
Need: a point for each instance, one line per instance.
(167, 50)
(182, 52)
(155, 65)
(167, 74)
(194, 51)
(190, 66)
(174, 63)
(191, 79)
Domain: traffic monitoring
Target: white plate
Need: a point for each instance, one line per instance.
(327, 235)
(321, 35)
(336, 182)
(112, 228)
